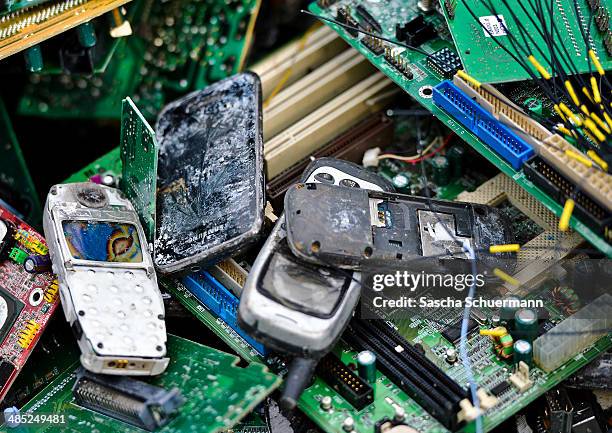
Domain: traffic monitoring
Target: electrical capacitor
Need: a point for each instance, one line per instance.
(509, 308)
(33, 58)
(36, 264)
(348, 425)
(86, 35)
(401, 182)
(326, 403)
(526, 324)
(523, 352)
(440, 170)
(534, 105)
(366, 365)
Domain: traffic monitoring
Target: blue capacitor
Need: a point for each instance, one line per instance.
(36, 264)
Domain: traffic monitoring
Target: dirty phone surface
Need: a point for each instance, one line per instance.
(293, 306)
(210, 200)
(353, 228)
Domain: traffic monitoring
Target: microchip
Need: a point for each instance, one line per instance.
(479, 315)
(10, 307)
(445, 62)
(500, 388)
(453, 332)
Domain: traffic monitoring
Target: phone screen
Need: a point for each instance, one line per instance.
(314, 290)
(210, 173)
(103, 241)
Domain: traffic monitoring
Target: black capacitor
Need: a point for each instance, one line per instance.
(440, 170)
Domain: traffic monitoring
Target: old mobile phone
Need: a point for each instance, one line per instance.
(108, 286)
(351, 228)
(210, 200)
(295, 307)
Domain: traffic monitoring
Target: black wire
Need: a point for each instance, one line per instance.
(526, 68)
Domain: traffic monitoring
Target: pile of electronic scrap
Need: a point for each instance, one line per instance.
(297, 248)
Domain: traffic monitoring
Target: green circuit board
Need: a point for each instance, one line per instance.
(490, 370)
(139, 164)
(176, 47)
(15, 180)
(55, 352)
(387, 394)
(424, 78)
(218, 393)
(218, 326)
(486, 61)
(108, 164)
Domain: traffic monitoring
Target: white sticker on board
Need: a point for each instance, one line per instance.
(495, 24)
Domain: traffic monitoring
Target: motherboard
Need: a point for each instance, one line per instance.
(177, 47)
(344, 216)
(27, 299)
(421, 70)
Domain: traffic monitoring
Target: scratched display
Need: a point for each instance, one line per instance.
(27, 301)
(210, 173)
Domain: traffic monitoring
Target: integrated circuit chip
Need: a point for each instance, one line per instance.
(453, 332)
(500, 388)
(10, 307)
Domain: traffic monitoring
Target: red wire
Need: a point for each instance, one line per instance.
(447, 140)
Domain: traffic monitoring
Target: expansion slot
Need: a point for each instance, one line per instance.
(502, 139)
(410, 370)
(375, 131)
(30, 26)
(219, 300)
(594, 182)
(319, 127)
(496, 103)
(313, 90)
(555, 184)
(290, 63)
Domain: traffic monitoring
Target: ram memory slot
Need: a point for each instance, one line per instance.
(410, 370)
